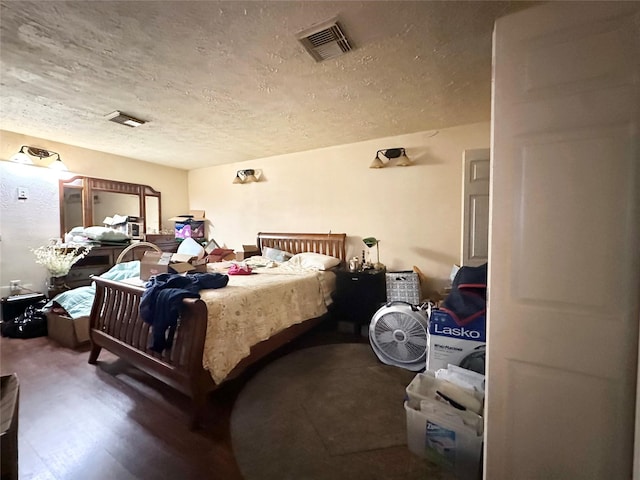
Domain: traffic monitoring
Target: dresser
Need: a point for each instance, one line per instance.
(166, 242)
(101, 259)
(98, 261)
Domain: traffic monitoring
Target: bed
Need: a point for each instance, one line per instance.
(115, 325)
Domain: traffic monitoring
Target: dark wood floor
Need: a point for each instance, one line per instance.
(112, 422)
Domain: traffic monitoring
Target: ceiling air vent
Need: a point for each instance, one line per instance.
(124, 119)
(324, 41)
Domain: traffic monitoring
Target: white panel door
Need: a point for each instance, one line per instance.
(475, 210)
(564, 249)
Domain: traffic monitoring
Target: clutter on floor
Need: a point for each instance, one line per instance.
(23, 316)
(445, 423)
(444, 403)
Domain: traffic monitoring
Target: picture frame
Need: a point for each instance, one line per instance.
(211, 246)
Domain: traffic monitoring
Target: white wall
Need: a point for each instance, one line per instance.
(170, 182)
(28, 224)
(414, 211)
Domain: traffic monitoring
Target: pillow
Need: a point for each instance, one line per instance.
(259, 261)
(105, 234)
(275, 254)
(316, 261)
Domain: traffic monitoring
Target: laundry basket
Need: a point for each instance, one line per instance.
(403, 286)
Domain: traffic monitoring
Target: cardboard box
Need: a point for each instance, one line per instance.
(247, 251)
(220, 255)
(193, 215)
(155, 263)
(68, 332)
(190, 225)
(450, 343)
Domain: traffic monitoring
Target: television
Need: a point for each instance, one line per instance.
(189, 229)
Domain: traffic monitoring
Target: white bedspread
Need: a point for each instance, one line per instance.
(252, 308)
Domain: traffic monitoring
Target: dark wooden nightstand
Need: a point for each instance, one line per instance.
(357, 297)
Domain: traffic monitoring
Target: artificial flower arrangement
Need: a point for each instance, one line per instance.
(58, 258)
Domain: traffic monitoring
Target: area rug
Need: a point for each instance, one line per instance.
(326, 412)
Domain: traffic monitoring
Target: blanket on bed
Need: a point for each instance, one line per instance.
(250, 309)
(253, 308)
(77, 302)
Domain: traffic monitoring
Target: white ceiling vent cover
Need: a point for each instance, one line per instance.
(324, 41)
(124, 119)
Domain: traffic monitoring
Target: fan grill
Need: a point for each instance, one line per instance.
(400, 337)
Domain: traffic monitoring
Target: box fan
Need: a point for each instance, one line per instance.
(398, 334)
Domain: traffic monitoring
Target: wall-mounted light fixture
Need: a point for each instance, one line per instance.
(247, 176)
(388, 154)
(23, 157)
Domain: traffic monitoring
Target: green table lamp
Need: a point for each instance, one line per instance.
(374, 242)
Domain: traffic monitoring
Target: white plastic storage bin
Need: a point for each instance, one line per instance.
(425, 386)
(444, 438)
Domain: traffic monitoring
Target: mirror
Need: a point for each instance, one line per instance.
(86, 201)
(72, 202)
(151, 213)
(108, 204)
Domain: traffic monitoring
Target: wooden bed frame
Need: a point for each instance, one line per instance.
(115, 325)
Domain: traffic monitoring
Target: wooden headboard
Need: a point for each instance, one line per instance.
(327, 243)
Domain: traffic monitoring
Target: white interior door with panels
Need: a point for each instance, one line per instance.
(564, 255)
(475, 207)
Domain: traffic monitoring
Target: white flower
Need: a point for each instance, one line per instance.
(58, 259)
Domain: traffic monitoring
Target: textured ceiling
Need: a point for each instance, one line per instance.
(223, 82)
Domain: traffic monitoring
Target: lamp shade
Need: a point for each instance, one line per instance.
(21, 157)
(370, 241)
(403, 160)
(58, 165)
(377, 163)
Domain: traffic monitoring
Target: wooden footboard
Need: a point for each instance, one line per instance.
(115, 324)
